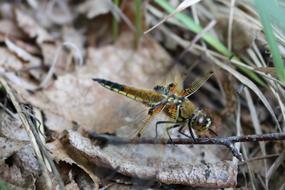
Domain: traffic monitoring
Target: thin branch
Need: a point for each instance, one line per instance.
(230, 24)
(226, 141)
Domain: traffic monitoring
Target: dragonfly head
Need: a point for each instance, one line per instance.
(172, 87)
(200, 121)
(161, 89)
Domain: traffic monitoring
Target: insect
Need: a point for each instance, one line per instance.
(172, 101)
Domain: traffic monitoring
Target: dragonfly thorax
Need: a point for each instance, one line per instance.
(174, 99)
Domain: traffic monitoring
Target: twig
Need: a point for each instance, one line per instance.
(226, 141)
(230, 24)
(259, 158)
(197, 37)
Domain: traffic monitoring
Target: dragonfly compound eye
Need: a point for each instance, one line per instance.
(171, 85)
(203, 122)
(206, 122)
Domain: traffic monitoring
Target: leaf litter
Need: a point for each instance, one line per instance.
(49, 63)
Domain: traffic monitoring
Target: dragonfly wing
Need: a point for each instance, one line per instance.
(147, 97)
(171, 111)
(196, 85)
(154, 111)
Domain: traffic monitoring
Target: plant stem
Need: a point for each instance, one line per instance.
(115, 24)
(265, 15)
(138, 21)
(211, 40)
(226, 141)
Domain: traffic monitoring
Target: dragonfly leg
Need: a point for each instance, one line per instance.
(181, 132)
(213, 132)
(178, 111)
(171, 127)
(191, 130)
(192, 133)
(160, 123)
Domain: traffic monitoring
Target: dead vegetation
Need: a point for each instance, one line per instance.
(49, 105)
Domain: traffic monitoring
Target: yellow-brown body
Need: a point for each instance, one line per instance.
(173, 102)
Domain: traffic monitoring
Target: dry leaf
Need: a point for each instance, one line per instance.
(29, 48)
(58, 152)
(12, 64)
(10, 29)
(9, 61)
(15, 178)
(72, 186)
(32, 28)
(76, 98)
(26, 159)
(173, 167)
(93, 8)
(9, 147)
(242, 34)
(11, 142)
(9, 125)
(21, 53)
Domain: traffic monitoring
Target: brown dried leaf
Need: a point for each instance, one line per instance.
(31, 27)
(9, 61)
(11, 141)
(31, 49)
(10, 64)
(30, 61)
(58, 152)
(48, 52)
(242, 34)
(14, 176)
(72, 186)
(16, 80)
(9, 147)
(93, 8)
(174, 168)
(74, 37)
(8, 126)
(9, 29)
(26, 159)
(93, 103)
(23, 54)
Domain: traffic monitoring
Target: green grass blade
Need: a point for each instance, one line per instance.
(115, 23)
(192, 26)
(3, 185)
(138, 24)
(211, 40)
(265, 9)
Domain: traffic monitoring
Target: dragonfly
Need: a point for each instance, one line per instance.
(171, 100)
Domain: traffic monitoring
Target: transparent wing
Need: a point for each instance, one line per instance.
(196, 85)
(151, 114)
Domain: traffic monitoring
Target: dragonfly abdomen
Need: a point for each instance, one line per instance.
(147, 97)
(116, 87)
(110, 85)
